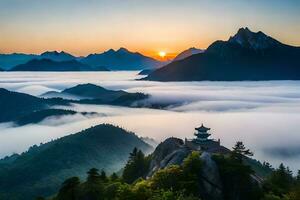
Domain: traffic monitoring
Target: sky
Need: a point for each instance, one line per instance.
(82, 27)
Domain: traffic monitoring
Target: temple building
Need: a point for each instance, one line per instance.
(202, 141)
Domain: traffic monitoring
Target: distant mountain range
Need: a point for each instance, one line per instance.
(57, 56)
(51, 65)
(121, 59)
(245, 56)
(8, 61)
(187, 53)
(41, 170)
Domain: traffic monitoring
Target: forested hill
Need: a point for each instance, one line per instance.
(180, 174)
(42, 169)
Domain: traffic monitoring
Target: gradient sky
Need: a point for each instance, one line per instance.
(89, 26)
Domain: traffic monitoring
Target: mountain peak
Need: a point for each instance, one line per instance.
(50, 53)
(255, 40)
(186, 53)
(122, 49)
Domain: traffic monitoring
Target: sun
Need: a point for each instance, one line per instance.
(162, 54)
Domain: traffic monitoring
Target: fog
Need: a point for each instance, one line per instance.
(264, 115)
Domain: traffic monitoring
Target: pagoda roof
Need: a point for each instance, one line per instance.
(202, 128)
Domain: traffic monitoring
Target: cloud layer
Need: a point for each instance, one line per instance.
(263, 114)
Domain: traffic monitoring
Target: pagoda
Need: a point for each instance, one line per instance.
(202, 140)
(202, 135)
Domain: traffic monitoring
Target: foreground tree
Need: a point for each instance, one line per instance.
(136, 167)
(279, 182)
(69, 189)
(93, 188)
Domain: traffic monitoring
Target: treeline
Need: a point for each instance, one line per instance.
(183, 182)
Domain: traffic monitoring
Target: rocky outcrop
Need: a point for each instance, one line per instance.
(173, 151)
(210, 178)
(166, 153)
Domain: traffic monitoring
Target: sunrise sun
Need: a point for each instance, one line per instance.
(162, 54)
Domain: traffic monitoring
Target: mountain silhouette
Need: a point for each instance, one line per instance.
(50, 65)
(121, 59)
(187, 53)
(57, 56)
(245, 56)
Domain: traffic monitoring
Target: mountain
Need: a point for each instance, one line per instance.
(40, 115)
(24, 109)
(8, 61)
(245, 56)
(121, 59)
(91, 91)
(41, 170)
(94, 94)
(187, 53)
(50, 65)
(57, 56)
(257, 41)
(14, 104)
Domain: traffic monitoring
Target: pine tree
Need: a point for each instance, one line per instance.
(298, 177)
(240, 151)
(93, 176)
(93, 187)
(136, 166)
(103, 176)
(69, 189)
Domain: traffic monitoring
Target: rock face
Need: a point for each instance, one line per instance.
(210, 180)
(163, 152)
(173, 151)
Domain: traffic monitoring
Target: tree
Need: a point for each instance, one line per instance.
(142, 190)
(298, 177)
(239, 151)
(271, 196)
(69, 189)
(237, 179)
(93, 176)
(114, 177)
(192, 172)
(136, 167)
(192, 164)
(40, 198)
(267, 165)
(168, 178)
(93, 188)
(280, 181)
(103, 176)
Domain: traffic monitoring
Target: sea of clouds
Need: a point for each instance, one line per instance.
(265, 114)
